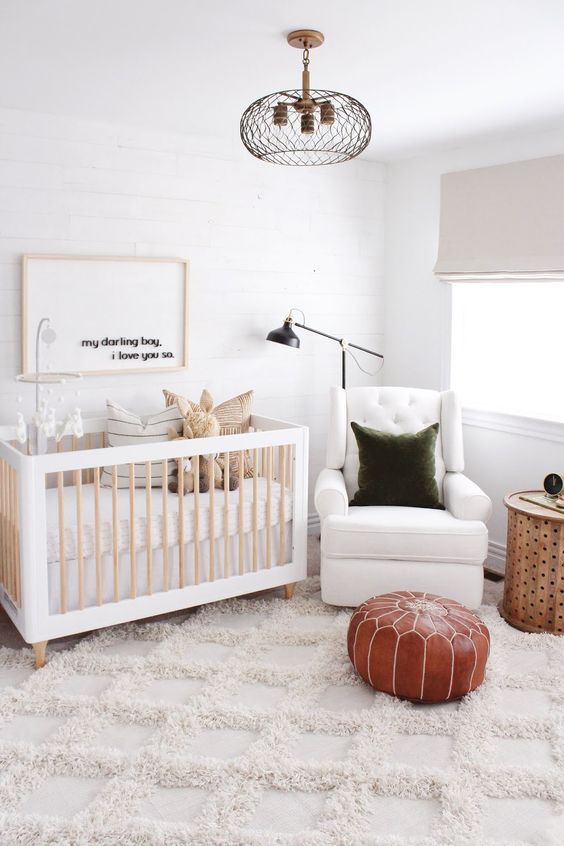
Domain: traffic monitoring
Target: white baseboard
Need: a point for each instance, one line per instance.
(496, 557)
(496, 551)
(313, 526)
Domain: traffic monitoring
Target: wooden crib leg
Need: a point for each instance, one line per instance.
(39, 649)
(289, 590)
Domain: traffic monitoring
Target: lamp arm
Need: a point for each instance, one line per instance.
(317, 331)
(339, 340)
(363, 349)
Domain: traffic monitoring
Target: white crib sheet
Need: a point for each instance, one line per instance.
(106, 533)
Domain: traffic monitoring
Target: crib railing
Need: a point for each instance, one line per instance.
(87, 540)
(273, 464)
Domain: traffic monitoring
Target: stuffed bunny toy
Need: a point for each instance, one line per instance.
(199, 422)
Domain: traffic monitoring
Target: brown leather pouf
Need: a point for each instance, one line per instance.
(418, 646)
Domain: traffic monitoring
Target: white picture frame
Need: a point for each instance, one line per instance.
(112, 314)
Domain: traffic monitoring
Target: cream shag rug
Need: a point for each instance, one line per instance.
(243, 723)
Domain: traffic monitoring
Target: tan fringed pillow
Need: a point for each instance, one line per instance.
(234, 417)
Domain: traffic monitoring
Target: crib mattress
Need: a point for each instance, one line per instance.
(71, 533)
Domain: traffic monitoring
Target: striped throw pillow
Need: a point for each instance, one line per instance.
(125, 427)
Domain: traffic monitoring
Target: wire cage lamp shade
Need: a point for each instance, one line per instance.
(306, 126)
(342, 139)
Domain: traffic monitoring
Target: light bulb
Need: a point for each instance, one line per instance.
(48, 336)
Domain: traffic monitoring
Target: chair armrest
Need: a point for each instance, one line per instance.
(331, 494)
(464, 499)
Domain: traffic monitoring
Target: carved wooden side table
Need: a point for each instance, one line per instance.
(533, 598)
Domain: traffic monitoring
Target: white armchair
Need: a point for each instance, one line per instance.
(375, 549)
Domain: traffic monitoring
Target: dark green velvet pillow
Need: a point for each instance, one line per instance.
(396, 469)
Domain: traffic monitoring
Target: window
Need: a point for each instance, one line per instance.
(508, 347)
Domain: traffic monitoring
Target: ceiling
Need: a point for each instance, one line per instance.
(430, 73)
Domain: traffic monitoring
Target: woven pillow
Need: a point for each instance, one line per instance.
(234, 417)
(126, 427)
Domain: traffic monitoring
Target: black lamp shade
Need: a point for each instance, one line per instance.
(284, 335)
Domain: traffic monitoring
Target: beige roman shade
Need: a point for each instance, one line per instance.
(506, 220)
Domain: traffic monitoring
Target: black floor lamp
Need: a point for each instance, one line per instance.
(286, 335)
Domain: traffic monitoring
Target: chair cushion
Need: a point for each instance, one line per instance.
(393, 532)
(396, 469)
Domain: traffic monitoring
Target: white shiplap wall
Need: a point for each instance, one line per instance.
(260, 239)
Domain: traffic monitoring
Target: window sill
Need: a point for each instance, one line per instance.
(514, 424)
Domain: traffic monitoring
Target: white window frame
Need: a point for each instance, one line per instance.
(516, 424)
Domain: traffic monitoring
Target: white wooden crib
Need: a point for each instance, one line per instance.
(76, 555)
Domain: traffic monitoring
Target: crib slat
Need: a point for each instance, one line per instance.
(226, 563)
(115, 532)
(79, 537)
(62, 558)
(255, 510)
(89, 474)
(196, 471)
(4, 527)
(4, 539)
(97, 530)
(211, 519)
(181, 576)
(7, 566)
(17, 540)
(268, 522)
(132, 551)
(9, 540)
(282, 516)
(148, 527)
(291, 467)
(241, 463)
(166, 578)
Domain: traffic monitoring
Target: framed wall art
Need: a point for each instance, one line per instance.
(111, 314)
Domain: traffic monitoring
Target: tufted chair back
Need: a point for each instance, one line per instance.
(394, 410)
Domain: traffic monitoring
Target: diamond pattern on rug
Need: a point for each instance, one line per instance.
(126, 738)
(521, 752)
(313, 623)
(83, 685)
(258, 695)
(288, 656)
(311, 746)
(405, 818)
(222, 743)
(173, 804)
(528, 702)
(129, 648)
(236, 622)
(346, 697)
(62, 796)
(520, 820)
(287, 813)
(207, 652)
(30, 728)
(422, 750)
(258, 733)
(526, 661)
(13, 676)
(173, 691)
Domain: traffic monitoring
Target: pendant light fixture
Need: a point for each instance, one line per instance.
(307, 126)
